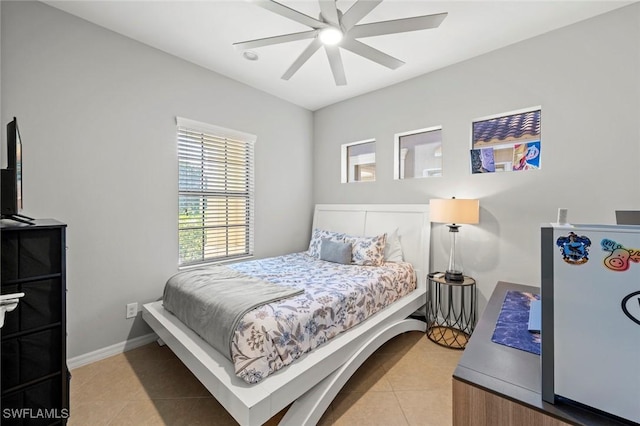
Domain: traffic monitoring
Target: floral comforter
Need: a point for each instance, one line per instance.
(336, 298)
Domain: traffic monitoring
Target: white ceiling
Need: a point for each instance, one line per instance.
(203, 32)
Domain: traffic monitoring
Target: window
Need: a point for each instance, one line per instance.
(359, 161)
(215, 193)
(418, 153)
(506, 142)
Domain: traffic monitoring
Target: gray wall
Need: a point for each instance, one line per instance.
(97, 112)
(586, 77)
(97, 115)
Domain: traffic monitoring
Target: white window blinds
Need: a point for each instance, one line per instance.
(215, 192)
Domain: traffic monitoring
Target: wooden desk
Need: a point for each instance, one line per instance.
(497, 385)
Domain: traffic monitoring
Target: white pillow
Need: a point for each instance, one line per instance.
(393, 248)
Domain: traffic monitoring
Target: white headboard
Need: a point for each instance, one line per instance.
(411, 220)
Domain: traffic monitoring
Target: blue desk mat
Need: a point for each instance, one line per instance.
(512, 327)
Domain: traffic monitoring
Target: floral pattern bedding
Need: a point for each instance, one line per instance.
(336, 298)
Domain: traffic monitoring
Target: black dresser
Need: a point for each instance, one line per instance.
(34, 375)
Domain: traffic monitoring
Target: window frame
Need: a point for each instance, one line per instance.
(345, 164)
(507, 144)
(397, 151)
(230, 136)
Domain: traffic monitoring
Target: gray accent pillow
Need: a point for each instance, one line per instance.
(333, 251)
(316, 239)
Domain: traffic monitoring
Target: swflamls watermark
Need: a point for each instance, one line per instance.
(35, 413)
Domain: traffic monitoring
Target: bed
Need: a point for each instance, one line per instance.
(311, 381)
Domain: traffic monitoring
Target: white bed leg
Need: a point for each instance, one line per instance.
(160, 342)
(309, 408)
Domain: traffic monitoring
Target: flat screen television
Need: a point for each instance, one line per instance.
(11, 177)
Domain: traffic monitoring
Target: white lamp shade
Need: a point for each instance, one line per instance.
(454, 210)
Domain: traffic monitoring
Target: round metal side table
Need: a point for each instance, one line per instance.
(451, 311)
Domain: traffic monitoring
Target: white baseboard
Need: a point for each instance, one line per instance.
(118, 348)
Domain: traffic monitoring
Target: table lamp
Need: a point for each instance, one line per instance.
(453, 212)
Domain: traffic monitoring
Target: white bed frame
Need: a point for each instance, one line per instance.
(313, 381)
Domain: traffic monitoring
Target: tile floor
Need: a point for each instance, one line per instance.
(406, 382)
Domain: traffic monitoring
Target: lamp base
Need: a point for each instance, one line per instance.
(453, 276)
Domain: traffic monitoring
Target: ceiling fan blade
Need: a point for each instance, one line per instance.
(398, 25)
(335, 61)
(329, 11)
(287, 12)
(370, 53)
(358, 11)
(304, 57)
(251, 44)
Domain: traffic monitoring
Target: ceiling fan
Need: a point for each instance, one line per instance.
(334, 29)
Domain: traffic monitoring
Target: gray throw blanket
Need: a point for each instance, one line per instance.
(212, 300)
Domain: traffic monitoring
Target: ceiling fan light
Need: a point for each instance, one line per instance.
(330, 36)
